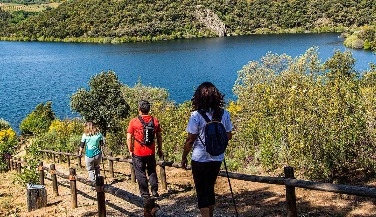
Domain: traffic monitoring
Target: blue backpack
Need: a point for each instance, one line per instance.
(216, 140)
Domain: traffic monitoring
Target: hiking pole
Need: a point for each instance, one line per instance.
(229, 183)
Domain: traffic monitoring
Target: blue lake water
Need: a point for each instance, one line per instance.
(36, 72)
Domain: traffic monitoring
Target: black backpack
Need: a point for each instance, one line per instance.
(148, 131)
(216, 139)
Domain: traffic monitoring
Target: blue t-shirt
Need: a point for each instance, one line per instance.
(196, 126)
(92, 144)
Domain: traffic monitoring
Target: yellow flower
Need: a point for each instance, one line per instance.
(7, 135)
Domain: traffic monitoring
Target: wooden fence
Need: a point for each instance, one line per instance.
(288, 181)
(151, 208)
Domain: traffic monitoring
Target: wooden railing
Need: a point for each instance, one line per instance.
(288, 180)
(151, 208)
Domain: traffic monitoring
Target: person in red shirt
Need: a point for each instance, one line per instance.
(143, 155)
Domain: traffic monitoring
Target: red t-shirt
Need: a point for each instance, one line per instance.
(136, 129)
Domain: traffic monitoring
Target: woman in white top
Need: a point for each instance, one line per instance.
(205, 167)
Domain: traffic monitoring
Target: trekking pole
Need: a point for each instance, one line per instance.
(232, 194)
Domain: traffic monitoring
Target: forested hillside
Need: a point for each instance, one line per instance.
(139, 20)
(30, 1)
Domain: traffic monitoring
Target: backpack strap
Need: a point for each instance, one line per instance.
(203, 114)
(142, 120)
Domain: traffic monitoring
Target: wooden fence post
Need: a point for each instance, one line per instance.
(110, 165)
(60, 156)
(162, 173)
(73, 186)
(54, 157)
(14, 163)
(290, 193)
(7, 158)
(99, 184)
(41, 173)
(54, 179)
(68, 160)
(133, 175)
(110, 168)
(79, 161)
(19, 165)
(11, 163)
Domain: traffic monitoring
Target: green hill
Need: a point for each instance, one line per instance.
(141, 20)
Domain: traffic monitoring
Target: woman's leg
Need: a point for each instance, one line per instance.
(97, 164)
(212, 174)
(205, 175)
(90, 168)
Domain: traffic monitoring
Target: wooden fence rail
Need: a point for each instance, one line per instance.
(288, 180)
(151, 208)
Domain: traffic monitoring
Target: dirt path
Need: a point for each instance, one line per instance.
(252, 199)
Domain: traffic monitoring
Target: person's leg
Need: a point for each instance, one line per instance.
(139, 168)
(90, 168)
(199, 172)
(97, 165)
(212, 174)
(152, 174)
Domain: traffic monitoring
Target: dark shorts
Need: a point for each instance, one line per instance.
(204, 175)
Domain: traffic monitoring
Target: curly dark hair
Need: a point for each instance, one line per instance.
(207, 97)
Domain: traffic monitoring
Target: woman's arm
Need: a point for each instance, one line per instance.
(191, 138)
(82, 145)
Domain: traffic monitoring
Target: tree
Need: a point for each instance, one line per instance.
(103, 103)
(39, 120)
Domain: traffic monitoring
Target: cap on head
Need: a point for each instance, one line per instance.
(144, 106)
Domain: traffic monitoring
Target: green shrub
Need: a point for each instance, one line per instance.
(39, 120)
(29, 174)
(173, 120)
(67, 134)
(102, 103)
(303, 113)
